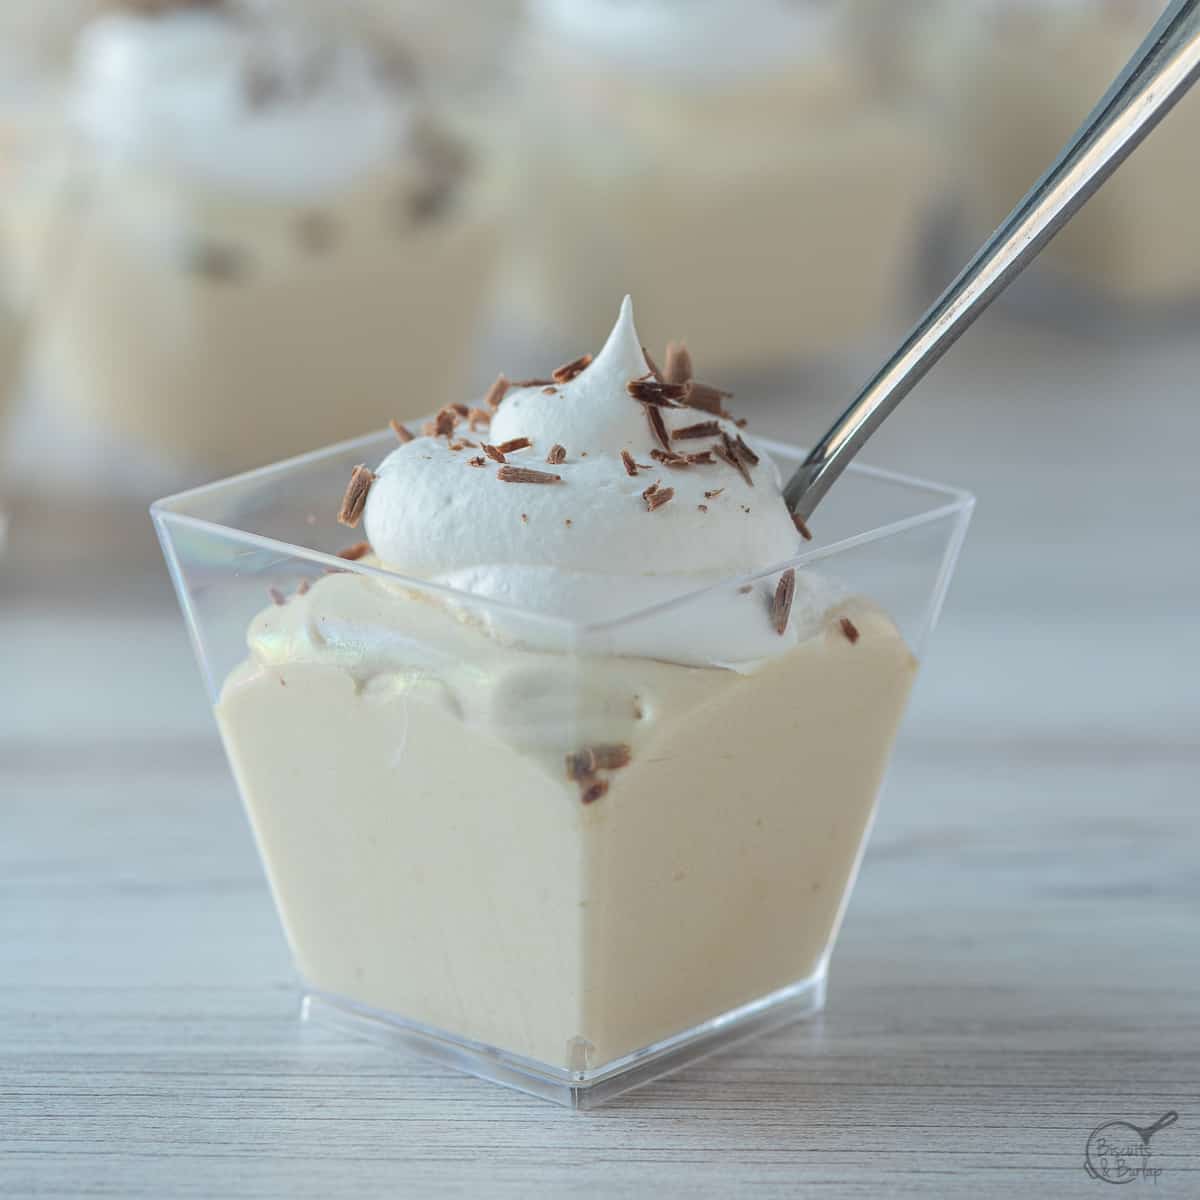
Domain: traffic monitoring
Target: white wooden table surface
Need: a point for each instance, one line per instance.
(1021, 961)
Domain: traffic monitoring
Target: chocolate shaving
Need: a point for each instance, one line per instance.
(495, 393)
(277, 597)
(477, 461)
(612, 757)
(707, 398)
(630, 465)
(529, 383)
(735, 463)
(493, 453)
(568, 371)
(802, 527)
(744, 452)
(703, 458)
(650, 391)
(303, 587)
(557, 454)
(658, 426)
(444, 422)
(550, 391)
(525, 475)
(679, 363)
(652, 365)
(713, 494)
(521, 443)
(402, 434)
(355, 552)
(699, 430)
(478, 419)
(461, 409)
(781, 605)
(658, 497)
(849, 629)
(702, 507)
(733, 455)
(355, 499)
(745, 589)
(591, 791)
(669, 458)
(581, 764)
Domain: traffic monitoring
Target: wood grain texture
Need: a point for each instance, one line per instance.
(1018, 965)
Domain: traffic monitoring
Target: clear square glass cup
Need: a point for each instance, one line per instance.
(531, 848)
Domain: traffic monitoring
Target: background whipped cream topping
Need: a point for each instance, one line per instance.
(177, 91)
(587, 549)
(701, 41)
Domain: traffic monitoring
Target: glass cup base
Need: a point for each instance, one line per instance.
(582, 1089)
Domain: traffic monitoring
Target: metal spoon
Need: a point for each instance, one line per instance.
(1158, 75)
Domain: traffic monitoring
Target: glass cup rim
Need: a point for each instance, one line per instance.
(954, 502)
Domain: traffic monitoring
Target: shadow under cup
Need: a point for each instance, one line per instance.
(529, 847)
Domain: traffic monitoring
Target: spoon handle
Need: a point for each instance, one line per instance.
(1158, 75)
(1166, 1119)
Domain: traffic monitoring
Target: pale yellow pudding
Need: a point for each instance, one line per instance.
(431, 857)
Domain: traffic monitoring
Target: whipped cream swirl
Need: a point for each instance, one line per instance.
(239, 96)
(587, 548)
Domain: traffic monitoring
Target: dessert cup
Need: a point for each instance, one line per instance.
(257, 271)
(212, 331)
(768, 204)
(445, 881)
(1020, 76)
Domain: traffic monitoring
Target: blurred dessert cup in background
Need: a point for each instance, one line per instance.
(253, 234)
(35, 41)
(1018, 77)
(747, 170)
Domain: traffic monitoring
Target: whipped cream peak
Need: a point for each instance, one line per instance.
(593, 411)
(697, 41)
(242, 96)
(590, 547)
